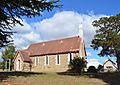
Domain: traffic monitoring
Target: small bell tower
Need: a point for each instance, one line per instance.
(81, 36)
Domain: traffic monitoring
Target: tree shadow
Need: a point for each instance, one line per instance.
(109, 78)
(5, 75)
(69, 73)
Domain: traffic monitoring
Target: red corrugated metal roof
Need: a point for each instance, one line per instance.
(66, 45)
(24, 55)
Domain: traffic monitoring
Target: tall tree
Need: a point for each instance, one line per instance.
(8, 54)
(108, 37)
(11, 11)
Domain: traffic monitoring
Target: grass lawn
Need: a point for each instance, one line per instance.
(21, 78)
(1, 70)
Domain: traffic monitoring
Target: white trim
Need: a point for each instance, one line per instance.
(38, 61)
(48, 60)
(72, 56)
(57, 59)
(80, 52)
(35, 61)
(18, 65)
(69, 57)
(45, 60)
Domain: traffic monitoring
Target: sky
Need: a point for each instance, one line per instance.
(64, 22)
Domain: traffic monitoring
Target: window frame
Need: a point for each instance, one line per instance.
(58, 60)
(72, 57)
(47, 58)
(37, 61)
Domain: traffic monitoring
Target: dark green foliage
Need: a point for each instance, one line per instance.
(108, 36)
(2, 65)
(92, 69)
(11, 11)
(100, 68)
(77, 65)
(9, 53)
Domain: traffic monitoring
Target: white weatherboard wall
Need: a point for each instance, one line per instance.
(109, 64)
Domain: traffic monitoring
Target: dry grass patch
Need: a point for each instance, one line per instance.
(51, 79)
(29, 78)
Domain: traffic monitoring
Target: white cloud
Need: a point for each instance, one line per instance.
(22, 29)
(25, 35)
(89, 54)
(93, 62)
(33, 37)
(61, 25)
(66, 23)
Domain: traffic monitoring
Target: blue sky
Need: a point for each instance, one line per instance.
(97, 6)
(63, 22)
(107, 7)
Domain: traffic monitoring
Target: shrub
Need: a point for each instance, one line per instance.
(100, 68)
(92, 69)
(77, 65)
(2, 65)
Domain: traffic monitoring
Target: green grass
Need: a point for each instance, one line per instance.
(26, 78)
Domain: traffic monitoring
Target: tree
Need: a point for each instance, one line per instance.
(100, 68)
(108, 37)
(2, 65)
(92, 69)
(8, 54)
(11, 11)
(77, 65)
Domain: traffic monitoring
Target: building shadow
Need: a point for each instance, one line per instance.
(5, 75)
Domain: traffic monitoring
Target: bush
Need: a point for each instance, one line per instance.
(77, 65)
(100, 68)
(92, 69)
(2, 65)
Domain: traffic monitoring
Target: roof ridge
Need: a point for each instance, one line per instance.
(109, 60)
(54, 40)
(23, 55)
